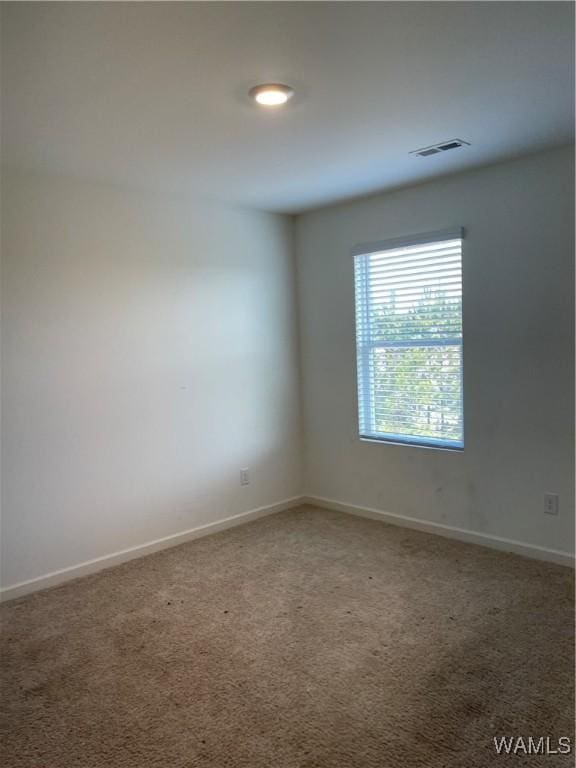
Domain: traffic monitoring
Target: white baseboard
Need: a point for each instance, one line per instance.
(107, 561)
(472, 537)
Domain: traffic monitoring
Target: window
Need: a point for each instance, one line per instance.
(409, 340)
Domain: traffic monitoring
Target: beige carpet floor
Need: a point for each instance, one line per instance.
(309, 639)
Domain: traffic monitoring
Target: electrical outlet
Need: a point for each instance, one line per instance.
(551, 503)
(245, 476)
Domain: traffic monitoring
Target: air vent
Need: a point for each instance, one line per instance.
(443, 146)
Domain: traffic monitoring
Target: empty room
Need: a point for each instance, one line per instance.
(287, 384)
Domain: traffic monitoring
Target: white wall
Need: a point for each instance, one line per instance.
(518, 353)
(149, 352)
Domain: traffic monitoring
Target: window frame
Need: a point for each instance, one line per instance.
(363, 375)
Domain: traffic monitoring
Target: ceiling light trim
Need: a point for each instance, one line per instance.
(271, 95)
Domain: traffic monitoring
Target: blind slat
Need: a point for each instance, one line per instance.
(422, 265)
(451, 292)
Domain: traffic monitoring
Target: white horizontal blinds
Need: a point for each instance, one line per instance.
(409, 340)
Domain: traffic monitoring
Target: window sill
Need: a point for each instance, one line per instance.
(407, 444)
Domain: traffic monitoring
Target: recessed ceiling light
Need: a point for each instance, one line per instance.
(271, 94)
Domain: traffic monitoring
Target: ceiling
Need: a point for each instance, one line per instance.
(154, 95)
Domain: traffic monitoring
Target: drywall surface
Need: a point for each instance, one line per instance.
(518, 279)
(149, 353)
